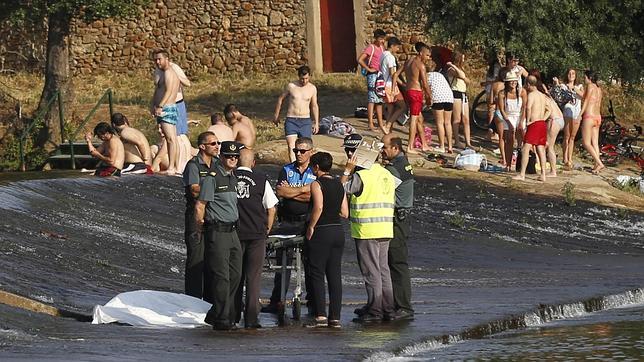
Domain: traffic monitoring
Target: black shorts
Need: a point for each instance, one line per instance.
(459, 96)
(444, 106)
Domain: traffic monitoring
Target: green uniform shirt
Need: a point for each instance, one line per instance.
(219, 191)
(403, 171)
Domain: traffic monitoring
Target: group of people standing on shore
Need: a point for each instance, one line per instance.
(436, 76)
(231, 210)
(126, 150)
(399, 88)
(571, 106)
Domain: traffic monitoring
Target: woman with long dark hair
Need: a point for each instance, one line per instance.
(591, 118)
(458, 81)
(510, 110)
(572, 116)
(325, 240)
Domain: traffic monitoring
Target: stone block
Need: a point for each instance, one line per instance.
(275, 18)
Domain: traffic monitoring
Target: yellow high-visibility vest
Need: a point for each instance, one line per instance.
(372, 213)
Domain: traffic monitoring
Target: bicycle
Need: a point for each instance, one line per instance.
(617, 142)
(478, 111)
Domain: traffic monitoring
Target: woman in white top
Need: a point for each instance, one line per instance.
(572, 116)
(442, 105)
(510, 108)
(458, 81)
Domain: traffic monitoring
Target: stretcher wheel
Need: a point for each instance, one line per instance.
(297, 309)
(281, 318)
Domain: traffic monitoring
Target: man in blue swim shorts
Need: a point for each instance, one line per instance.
(164, 106)
(303, 102)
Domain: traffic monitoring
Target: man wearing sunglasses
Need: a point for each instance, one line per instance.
(196, 170)
(293, 187)
(216, 212)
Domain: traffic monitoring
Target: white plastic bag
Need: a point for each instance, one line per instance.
(470, 160)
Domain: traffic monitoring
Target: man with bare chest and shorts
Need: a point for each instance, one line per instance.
(417, 89)
(220, 128)
(303, 103)
(244, 130)
(537, 112)
(138, 156)
(164, 106)
(110, 153)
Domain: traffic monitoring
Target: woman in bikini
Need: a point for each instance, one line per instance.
(497, 86)
(510, 109)
(571, 112)
(591, 118)
(458, 80)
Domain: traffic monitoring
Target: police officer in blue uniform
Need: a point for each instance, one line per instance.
(217, 214)
(293, 186)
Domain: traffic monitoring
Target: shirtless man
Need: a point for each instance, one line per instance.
(182, 122)
(303, 102)
(164, 106)
(537, 111)
(138, 157)
(110, 152)
(220, 128)
(243, 128)
(417, 87)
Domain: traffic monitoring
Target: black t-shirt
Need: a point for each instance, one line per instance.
(332, 201)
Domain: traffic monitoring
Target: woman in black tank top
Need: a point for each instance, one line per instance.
(325, 241)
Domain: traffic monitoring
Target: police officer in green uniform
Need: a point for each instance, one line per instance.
(398, 165)
(194, 173)
(216, 213)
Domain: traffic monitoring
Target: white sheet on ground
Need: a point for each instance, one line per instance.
(150, 308)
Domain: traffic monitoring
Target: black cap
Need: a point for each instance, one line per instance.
(352, 141)
(230, 148)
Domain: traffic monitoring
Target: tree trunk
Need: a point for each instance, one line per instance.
(57, 76)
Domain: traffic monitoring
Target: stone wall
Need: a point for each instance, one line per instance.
(384, 14)
(211, 36)
(202, 36)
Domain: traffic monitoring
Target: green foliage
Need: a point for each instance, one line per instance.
(568, 191)
(550, 35)
(456, 220)
(35, 11)
(35, 156)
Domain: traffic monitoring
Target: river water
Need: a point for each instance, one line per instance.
(491, 269)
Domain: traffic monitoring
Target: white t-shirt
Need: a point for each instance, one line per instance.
(441, 91)
(387, 61)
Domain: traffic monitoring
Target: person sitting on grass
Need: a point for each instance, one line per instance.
(110, 153)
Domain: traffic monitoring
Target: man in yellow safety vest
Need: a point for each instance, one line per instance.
(371, 209)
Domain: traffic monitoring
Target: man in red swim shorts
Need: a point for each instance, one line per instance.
(417, 86)
(537, 111)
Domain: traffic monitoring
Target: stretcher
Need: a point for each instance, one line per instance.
(286, 244)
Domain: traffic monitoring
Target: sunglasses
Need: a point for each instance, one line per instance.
(231, 156)
(214, 143)
(297, 150)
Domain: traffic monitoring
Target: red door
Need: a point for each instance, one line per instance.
(338, 35)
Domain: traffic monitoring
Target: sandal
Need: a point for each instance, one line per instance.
(318, 322)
